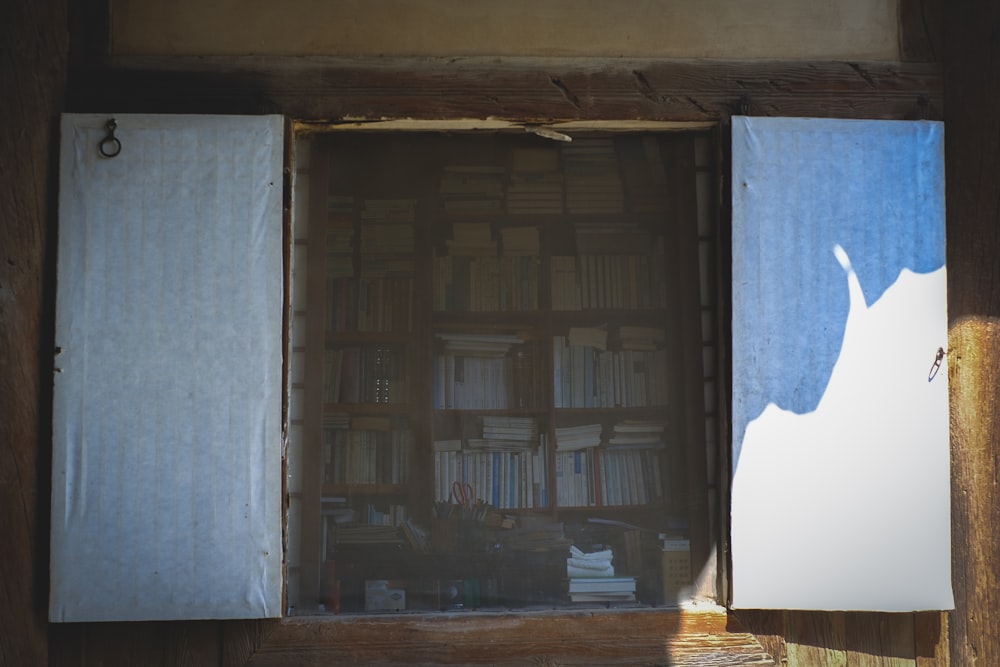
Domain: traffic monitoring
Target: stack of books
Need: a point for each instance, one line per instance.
(593, 184)
(572, 438)
(387, 226)
(536, 186)
(602, 589)
(470, 190)
(340, 263)
(471, 277)
(520, 241)
(637, 433)
(472, 239)
(385, 287)
(509, 432)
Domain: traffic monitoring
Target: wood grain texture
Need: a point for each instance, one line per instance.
(930, 634)
(768, 626)
(512, 88)
(568, 638)
(33, 64)
(241, 639)
(920, 30)
(690, 413)
(972, 161)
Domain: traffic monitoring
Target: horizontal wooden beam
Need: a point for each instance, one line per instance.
(675, 637)
(555, 89)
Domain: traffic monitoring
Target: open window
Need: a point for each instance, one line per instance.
(497, 390)
(500, 346)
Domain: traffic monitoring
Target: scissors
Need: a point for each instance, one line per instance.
(462, 492)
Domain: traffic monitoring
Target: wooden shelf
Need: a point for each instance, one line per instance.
(335, 339)
(330, 489)
(368, 408)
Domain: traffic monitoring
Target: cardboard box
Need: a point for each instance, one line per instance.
(384, 595)
(675, 560)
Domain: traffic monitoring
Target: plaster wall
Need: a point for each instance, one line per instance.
(748, 29)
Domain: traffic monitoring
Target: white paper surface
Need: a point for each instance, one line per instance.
(841, 485)
(166, 496)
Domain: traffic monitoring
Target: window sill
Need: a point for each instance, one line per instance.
(703, 634)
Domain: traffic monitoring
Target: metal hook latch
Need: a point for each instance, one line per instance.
(936, 366)
(110, 146)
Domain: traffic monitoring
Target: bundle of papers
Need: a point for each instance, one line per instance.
(596, 564)
(592, 578)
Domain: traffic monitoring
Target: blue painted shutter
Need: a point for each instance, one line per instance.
(840, 490)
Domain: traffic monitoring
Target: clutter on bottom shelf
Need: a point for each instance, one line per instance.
(592, 578)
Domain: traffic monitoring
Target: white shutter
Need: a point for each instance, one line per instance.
(841, 492)
(166, 489)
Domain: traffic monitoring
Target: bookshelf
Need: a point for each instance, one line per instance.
(498, 359)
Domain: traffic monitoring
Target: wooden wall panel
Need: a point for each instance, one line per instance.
(31, 35)
(920, 30)
(33, 65)
(972, 161)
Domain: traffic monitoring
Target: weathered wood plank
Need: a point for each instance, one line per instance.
(768, 626)
(33, 64)
(681, 174)
(513, 88)
(879, 640)
(816, 638)
(241, 639)
(972, 161)
(570, 638)
(930, 634)
(920, 30)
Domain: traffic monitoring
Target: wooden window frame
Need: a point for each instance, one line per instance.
(524, 90)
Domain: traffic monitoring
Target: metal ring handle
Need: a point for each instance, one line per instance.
(110, 146)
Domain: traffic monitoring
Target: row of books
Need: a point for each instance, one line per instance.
(592, 282)
(593, 182)
(366, 374)
(471, 190)
(366, 457)
(340, 252)
(478, 284)
(503, 479)
(581, 177)
(369, 524)
(604, 477)
(485, 371)
(370, 304)
(477, 239)
(585, 376)
(386, 227)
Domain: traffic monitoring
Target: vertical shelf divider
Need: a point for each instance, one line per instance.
(312, 412)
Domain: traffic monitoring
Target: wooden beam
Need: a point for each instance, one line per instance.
(33, 65)
(972, 161)
(331, 89)
(707, 637)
